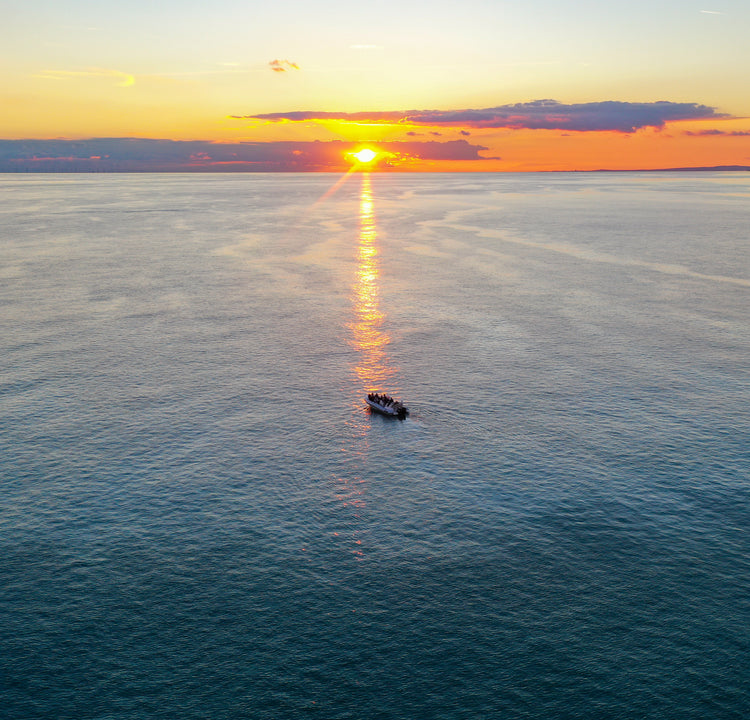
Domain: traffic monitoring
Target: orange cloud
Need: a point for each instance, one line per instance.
(280, 66)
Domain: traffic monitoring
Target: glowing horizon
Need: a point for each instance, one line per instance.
(474, 95)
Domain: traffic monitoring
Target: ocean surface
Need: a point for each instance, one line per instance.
(201, 520)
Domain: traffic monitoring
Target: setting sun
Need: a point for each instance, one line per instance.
(365, 156)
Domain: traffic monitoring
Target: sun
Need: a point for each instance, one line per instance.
(365, 155)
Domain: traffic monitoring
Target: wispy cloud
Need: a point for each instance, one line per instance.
(280, 66)
(712, 12)
(610, 115)
(305, 116)
(124, 79)
(718, 133)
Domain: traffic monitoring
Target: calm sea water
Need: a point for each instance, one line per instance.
(200, 519)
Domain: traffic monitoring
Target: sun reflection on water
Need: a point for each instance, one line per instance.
(374, 368)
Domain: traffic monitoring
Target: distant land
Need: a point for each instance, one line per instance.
(714, 168)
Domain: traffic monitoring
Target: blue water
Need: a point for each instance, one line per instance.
(201, 520)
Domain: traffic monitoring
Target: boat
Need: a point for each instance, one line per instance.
(386, 405)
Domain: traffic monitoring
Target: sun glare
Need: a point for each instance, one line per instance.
(365, 156)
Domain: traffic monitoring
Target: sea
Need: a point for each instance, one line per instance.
(202, 520)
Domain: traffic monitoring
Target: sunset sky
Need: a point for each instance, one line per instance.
(478, 85)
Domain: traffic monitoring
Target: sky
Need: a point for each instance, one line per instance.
(496, 85)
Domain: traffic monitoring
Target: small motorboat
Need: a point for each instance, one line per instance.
(386, 405)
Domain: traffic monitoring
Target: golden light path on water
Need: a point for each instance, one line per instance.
(374, 368)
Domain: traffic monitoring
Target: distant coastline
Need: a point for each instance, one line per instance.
(714, 168)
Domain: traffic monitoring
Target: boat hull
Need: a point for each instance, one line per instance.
(398, 412)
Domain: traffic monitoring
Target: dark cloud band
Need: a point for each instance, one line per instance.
(610, 115)
(152, 155)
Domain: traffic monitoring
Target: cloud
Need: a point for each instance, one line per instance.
(283, 65)
(304, 116)
(125, 79)
(157, 155)
(436, 150)
(610, 115)
(720, 133)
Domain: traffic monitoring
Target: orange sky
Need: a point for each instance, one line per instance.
(212, 74)
(707, 143)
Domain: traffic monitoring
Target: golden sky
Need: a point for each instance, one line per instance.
(483, 85)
